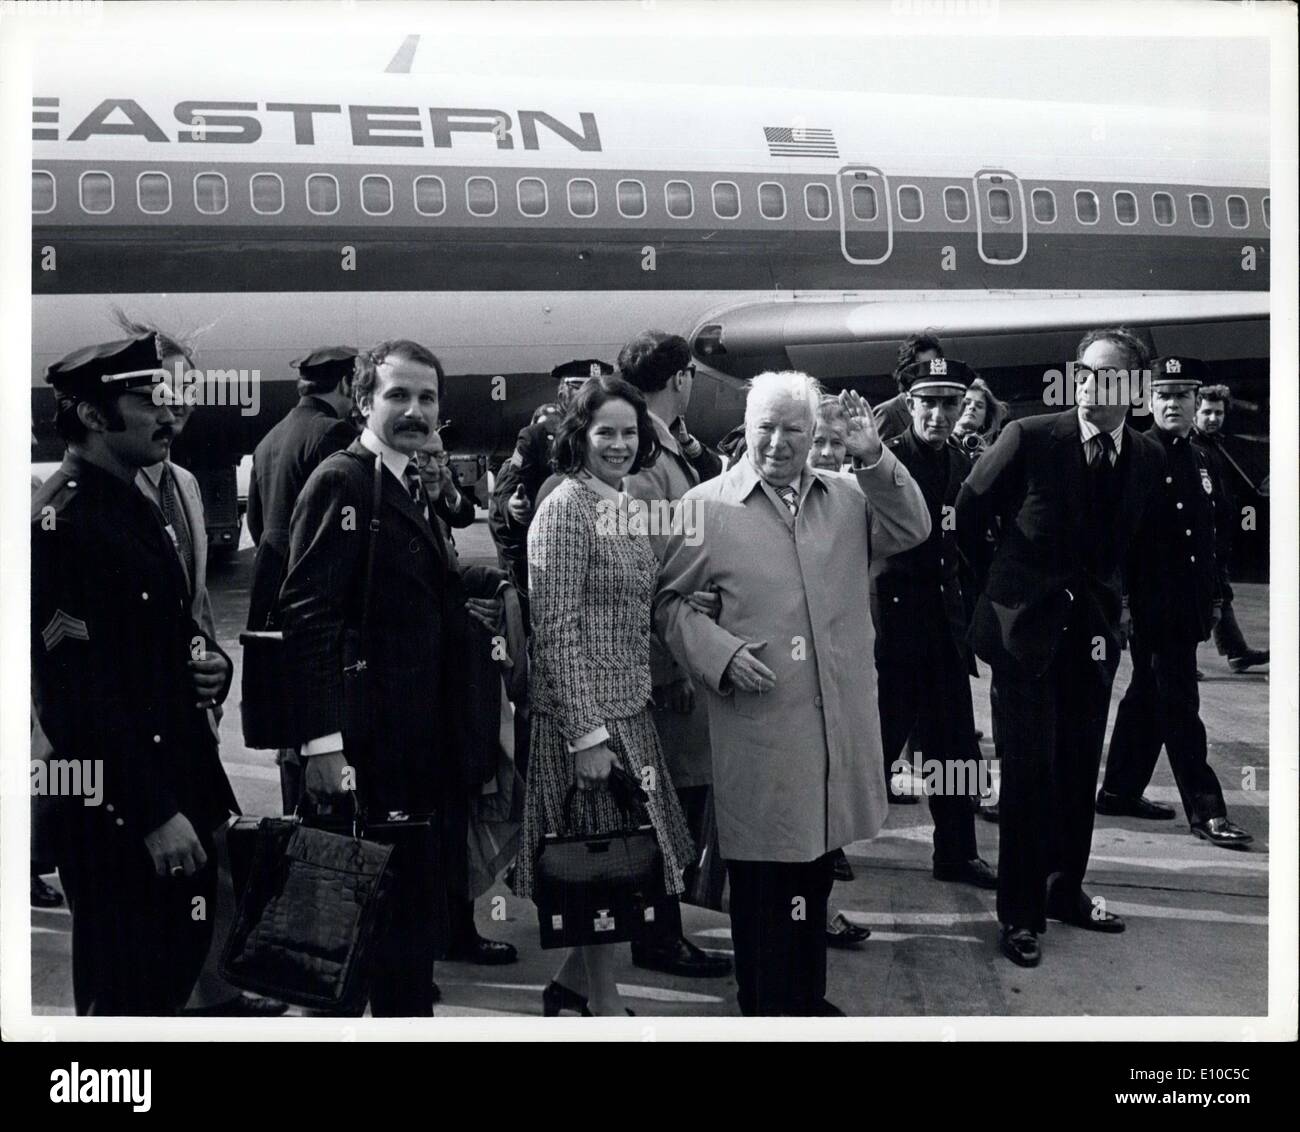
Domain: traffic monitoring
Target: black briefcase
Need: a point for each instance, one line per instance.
(601, 887)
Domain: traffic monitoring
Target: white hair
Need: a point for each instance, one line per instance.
(788, 383)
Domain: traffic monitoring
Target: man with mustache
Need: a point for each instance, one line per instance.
(123, 677)
(1175, 594)
(401, 757)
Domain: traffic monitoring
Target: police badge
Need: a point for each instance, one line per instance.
(1206, 482)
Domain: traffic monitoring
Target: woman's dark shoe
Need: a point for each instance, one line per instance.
(43, 895)
(843, 870)
(243, 1005)
(557, 997)
(484, 952)
(840, 932)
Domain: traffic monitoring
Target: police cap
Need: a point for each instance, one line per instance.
(939, 377)
(1178, 372)
(583, 368)
(327, 362)
(109, 367)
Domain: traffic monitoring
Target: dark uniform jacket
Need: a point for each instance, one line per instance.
(112, 635)
(282, 461)
(1227, 513)
(1173, 576)
(908, 588)
(530, 464)
(1051, 554)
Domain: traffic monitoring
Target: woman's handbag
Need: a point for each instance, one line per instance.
(312, 909)
(267, 677)
(600, 887)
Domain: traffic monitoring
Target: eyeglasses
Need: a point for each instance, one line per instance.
(689, 369)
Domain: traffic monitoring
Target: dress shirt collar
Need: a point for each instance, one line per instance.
(395, 461)
(746, 479)
(666, 438)
(1087, 430)
(154, 473)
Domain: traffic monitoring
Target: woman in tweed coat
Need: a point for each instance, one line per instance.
(591, 583)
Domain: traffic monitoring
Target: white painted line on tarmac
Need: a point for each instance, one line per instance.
(627, 990)
(1227, 859)
(1162, 912)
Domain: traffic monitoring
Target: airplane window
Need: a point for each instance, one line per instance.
(97, 192)
(42, 191)
(631, 199)
(771, 200)
(999, 205)
(210, 194)
(376, 194)
(1202, 209)
(153, 192)
(726, 200)
(430, 196)
(956, 205)
(1126, 207)
(680, 199)
(1268, 212)
(864, 202)
(481, 196)
(1086, 208)
(1162, 206)
(531, 193)
(582, 197)
(267, 193)
(1238, 212)
(322, 194)
(817, 201)
(911, 206)
(1044, 202)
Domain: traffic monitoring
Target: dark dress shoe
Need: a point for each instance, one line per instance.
(976, 871)
(826, 1009)
(843, 870)
(680, 957)
(43, 895)
(484, 952)
(1222, 832)
(1082, 913)
(1020, 945)
(841, 933)
(436, 996)
(1248, 660)
(557, 997)
(243, 1005)
(1116, 805)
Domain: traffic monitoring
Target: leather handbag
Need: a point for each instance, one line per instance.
(312, 907)
(593, 888)
(266, 711)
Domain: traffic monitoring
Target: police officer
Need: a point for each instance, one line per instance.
(922, 658)
(1174, 595)
(122, 677)
(514, 495)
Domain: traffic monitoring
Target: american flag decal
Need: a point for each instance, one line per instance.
(801, 141)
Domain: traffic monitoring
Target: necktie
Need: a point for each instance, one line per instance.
(174, 516)
(415, 487)
(1102, 443)
(789, 496)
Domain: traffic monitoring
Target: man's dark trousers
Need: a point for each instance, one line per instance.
(780, 958)
(1163, 707)
(1052, 735)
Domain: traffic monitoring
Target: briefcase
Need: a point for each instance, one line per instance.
(311, 910)
(601, 887)
(265, 702)
(413, 873)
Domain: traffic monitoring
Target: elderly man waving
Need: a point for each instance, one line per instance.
(786, 659)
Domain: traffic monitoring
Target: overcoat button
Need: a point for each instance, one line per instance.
(157, 738)
(144, 597)
(818, 701)
(118, 821)
(414, 546)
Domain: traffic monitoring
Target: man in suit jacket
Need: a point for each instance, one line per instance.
(1071, 488)
(122, 677)
(922, 657)
(401, 756)
(659, 365)
(317, 427)
(793, 723)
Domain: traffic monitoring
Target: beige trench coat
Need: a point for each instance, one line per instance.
(797, 771)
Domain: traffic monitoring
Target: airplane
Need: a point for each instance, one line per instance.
(511, 226)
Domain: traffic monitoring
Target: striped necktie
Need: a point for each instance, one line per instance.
(174, 516)
(789, 496)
